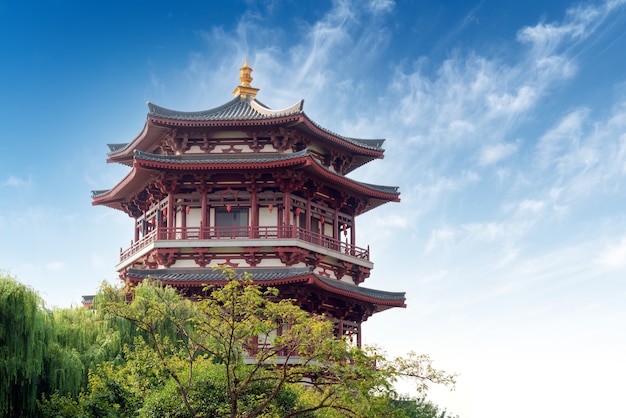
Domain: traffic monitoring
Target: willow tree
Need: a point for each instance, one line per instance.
(43, 352)
(24, 335)
(81, 339)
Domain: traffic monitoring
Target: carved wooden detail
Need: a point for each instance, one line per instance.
(283, 139)
(290, 181)
(291, 255)
(360, 274)
(175, 143)
(232, 150)
(207, 145)
(252, 256)
(201, 256)
(165, 256)
(149, 262)
(166, 184)
(339, 271)
(256, 145)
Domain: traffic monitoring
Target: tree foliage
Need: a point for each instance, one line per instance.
(23, 347)
(238, 352)
(45, 351)
(263, 346)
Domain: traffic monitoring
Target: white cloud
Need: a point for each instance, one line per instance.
(487, 231)
(440, 237)
(507, 103)
(561, 138)
(13, 181)
(614, 255)
(529, 205)
(579, 23)
(491, 154)
(378, 6)
(581, 157)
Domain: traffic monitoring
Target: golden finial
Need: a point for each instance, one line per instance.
(245, 71)
(244, 89)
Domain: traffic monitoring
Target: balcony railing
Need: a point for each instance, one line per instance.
(242, 233)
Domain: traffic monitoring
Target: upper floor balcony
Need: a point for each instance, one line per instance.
(243, 236)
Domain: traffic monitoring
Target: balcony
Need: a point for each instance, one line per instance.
(212, 236)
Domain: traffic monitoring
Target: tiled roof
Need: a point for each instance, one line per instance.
(236, 109)
(220, 158)
(365, 291)
(211, 275)
(96, 193)
(116, 147)
(261, 275)
(383, 189)
(250, 109)
(374, 144)
(251, 158)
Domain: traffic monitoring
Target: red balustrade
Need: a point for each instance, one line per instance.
(242, 233)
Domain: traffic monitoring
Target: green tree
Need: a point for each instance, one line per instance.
(419, 408)
(45, 352)
(24, 336)
(264, 348)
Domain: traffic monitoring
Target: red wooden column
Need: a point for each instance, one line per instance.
(287, 209)
(168, 186)
(288, 183)
(310, 193)
(144, 225)
(137, 226)
(203, 212)
(254, 208)
(170, 216)
(183, 220)
(307, 224)
(352, 234)
(158, 220)
(336, 234)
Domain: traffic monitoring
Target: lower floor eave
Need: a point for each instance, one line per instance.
(275, 277)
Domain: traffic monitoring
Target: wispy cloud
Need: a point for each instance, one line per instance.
(378, 6)
(581, 156)
(471, 122)
(492, 154)
(13, 181)
(443, 236)
(613, 255)
(561, 139)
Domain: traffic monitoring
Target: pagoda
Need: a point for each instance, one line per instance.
(253, 189)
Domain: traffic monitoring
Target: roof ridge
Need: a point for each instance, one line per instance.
(265, 274)
(226, 157)
(239, 108)
(266, 111)
(165, 111)
(375, 144)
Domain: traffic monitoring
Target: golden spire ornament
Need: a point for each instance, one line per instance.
(244, 89)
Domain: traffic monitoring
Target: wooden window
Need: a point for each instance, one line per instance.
(231, 223)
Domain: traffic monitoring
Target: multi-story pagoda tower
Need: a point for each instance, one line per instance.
(258, 190)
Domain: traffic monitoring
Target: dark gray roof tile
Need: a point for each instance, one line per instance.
(221, 158)
(96, 193)
(236, 109)
(116, 147)
(259, 275)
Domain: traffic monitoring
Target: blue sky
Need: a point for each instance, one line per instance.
(506, 132)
